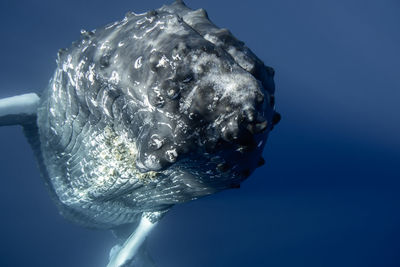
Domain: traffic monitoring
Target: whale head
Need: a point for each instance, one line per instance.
(211, 106)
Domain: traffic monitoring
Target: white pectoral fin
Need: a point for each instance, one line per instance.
(16, 109)
(125, 254)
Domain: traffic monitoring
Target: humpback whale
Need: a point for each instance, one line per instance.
(157, 109)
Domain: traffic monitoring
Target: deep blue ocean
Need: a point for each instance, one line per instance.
(329, 194)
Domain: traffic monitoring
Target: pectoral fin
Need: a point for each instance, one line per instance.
(133, 252)
(19, 110)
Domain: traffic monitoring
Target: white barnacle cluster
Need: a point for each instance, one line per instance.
(108, 168)
(115, 157)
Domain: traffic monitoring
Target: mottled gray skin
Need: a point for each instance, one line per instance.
(154, 110)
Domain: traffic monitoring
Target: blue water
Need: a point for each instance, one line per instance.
(329, 193)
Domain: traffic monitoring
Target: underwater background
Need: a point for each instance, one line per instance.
(329, 194)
